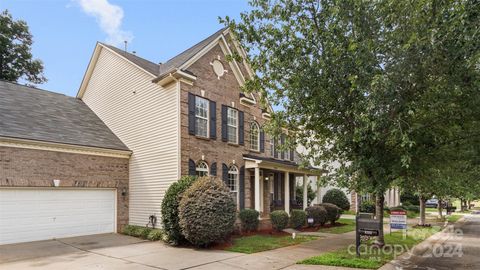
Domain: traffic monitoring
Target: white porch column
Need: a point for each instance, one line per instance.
(397, 196)
(305, 193)
(257, 189)
(287, 192)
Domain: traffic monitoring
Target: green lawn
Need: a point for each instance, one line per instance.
(257, 243)
(349, 225)
(349, 212)
(454, 218)
(374, 257)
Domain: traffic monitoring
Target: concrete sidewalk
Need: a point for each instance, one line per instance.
(113, 251)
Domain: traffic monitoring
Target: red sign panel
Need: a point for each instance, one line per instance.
(398, 212)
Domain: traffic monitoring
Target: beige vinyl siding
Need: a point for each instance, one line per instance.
(145, 117)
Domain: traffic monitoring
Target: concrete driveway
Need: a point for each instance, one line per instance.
(104, 251)
(114, 251)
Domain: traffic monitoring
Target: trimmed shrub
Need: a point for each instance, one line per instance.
(279, 219)
(297, 218)
(132, 230)
(337, 197)
(249, 219)
(145, 232)
(367, 207)
(170, 220)
(333, 212)
(155, 235)
(413, 208)
(318, 213)
(207, 212)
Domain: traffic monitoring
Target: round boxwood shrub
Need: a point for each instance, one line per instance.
(318, 213)
(170, 220)
(367, 207)
(207, 212)
(337, 197)
(279, 219)
(249, 219)
(333, 212)
(297, 218)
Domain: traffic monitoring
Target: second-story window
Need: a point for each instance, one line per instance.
(232, 125)
(201, 117)
(201, 169)
(254, 136)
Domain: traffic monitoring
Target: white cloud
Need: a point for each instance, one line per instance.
(109, 18)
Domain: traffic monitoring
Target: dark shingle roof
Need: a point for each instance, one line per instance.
(173, 63)
(34, 114)
(183, 57)
(139, 61)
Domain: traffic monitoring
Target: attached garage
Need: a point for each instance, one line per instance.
(40, 214)
(63, 173)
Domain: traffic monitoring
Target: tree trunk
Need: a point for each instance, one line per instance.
(469, 205)
(379, 203)
(422, 210)
(440, 209)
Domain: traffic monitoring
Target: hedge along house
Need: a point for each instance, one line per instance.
(62, 171)
(188, 116)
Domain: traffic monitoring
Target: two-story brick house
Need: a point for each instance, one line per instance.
(189, 116)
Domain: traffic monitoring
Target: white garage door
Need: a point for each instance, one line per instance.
(40, 214)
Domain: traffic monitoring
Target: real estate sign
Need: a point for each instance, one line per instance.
(398, 219)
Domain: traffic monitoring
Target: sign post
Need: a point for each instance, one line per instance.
(398, 220)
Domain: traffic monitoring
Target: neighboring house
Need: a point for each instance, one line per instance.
(188, 116)
(62, 171)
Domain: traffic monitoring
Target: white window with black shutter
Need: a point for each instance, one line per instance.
(201, 117)
(232, 125)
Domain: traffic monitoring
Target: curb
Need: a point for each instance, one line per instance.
(421, 248)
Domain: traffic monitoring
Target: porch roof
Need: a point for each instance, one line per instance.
(252, 161)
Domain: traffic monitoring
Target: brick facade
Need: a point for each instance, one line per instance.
(224, 91)
(37, 168)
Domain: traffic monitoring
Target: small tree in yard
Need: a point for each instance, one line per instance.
(299, 194)
(16, 60)
(337, 197)
(207, 212)
(366, 85)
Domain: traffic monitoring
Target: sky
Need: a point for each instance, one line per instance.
(65, 31)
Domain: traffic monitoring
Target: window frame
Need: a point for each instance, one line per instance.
(207, 118)
(201, 169)
(236, 174)
(272, 147)
(230, 109)
(257, 133)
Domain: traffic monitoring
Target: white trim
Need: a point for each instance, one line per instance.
(179, 129)
(65, 148)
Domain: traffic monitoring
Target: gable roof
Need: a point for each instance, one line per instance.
(186, 55)
(139, 61)
(34, 114)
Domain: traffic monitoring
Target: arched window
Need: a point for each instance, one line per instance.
(233, 181)
(201, 169)
(254, 136)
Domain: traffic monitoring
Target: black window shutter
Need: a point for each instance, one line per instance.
(262, 141)
(291, 178)
(275, 186)
(282, 141)
(224, 123)
(191, 167)
(213, 169)
(275, 148)
(242, 187)
(240, 128)
(225, 173)
(213, 120)
(292, 153)
(191, 114)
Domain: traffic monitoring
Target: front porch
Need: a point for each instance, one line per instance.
(273, 182)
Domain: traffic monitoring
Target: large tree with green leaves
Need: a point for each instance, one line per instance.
(357, 80)
(16, 60)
